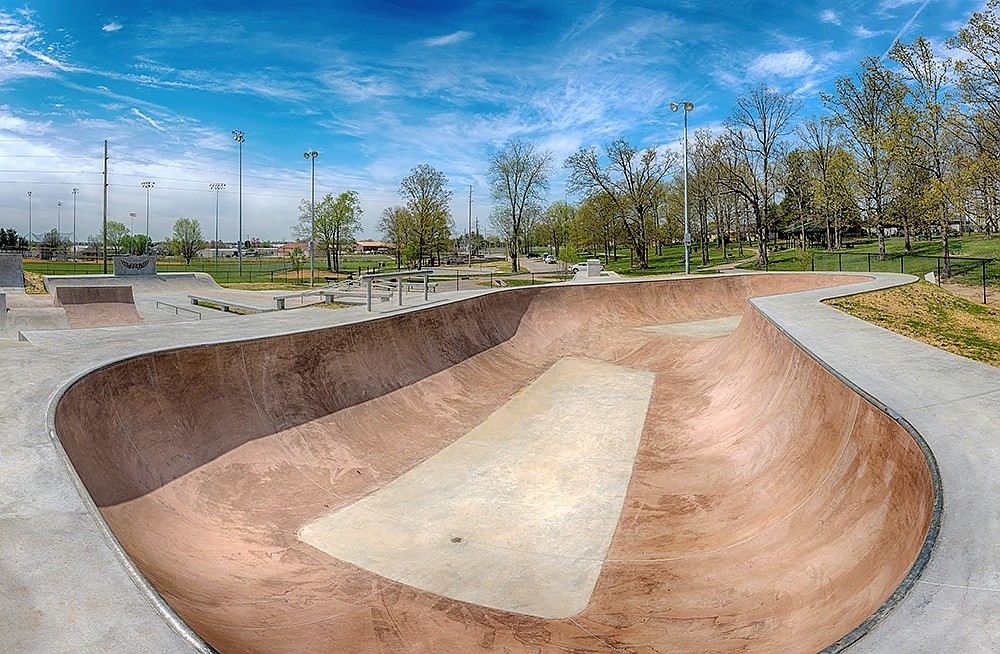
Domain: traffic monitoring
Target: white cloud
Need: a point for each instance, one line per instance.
(448, 39)
(153, 123)
(112, 27)
(781, 64)
(830, 16)
(863, 32)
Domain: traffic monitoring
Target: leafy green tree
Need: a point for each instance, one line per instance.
(186, 239)
(297, 259)
(427, 200)
(395, 226)
(928, 140)
(553, 227)
(337, 221)
(11, 240)
(116, 233)
(797, 186)
(868, 110)
(136, 244)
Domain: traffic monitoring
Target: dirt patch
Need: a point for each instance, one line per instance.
(34, 284)
(933, 315)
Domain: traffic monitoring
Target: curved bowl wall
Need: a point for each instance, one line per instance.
(769, 508)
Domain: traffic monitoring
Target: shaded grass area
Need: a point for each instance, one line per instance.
(932, 315)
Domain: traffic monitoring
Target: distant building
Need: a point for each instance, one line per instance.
(374, 247)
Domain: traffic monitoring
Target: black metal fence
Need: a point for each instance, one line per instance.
(967, 271)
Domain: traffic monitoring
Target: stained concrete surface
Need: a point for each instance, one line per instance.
(764, 492)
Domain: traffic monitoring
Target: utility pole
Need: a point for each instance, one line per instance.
(468, 243)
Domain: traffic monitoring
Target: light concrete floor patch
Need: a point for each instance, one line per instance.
(519, 513)
(711, 328)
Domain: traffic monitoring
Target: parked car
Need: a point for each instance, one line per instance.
(548, 258)
(577, 267)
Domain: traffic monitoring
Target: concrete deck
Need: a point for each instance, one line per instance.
(64, 588)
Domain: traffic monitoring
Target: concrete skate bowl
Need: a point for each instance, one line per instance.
(762, 505)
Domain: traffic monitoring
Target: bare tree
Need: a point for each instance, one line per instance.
(630, 181)
(752, 153)
(518, 177)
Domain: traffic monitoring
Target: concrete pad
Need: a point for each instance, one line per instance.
(519, 513)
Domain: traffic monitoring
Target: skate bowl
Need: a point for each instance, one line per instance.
(578, 468)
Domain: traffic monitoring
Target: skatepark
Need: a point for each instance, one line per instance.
(719, 463)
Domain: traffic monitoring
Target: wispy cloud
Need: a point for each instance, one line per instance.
(112, 27)
(830, 16)
(863, 32)
(792, 63)
(448, 39)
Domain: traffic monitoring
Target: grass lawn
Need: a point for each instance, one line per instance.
(927, 313)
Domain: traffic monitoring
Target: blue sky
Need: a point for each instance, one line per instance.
(378, 87)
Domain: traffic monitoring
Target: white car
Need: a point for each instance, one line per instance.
(577, 267)
(548, 258)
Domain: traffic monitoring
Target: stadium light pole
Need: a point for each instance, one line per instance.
(149, 239)
(29, 223)
(687, 106)
(239, 138)
(311, 155)
(131, 214)
(217, 186)
(75, 192)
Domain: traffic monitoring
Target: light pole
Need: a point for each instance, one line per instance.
(687, 106)
(217, 186)
(76, 192)
(238, 137)
(312, 154)
(147, 186)
(58, 227)
(29, 223)
(131, 214)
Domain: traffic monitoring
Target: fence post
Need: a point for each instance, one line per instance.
(939, 271)
(840, 262)
(869, 262)
(983, 262)
(456, 280)
(901, 258)
(532, 278)
(812, 261)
